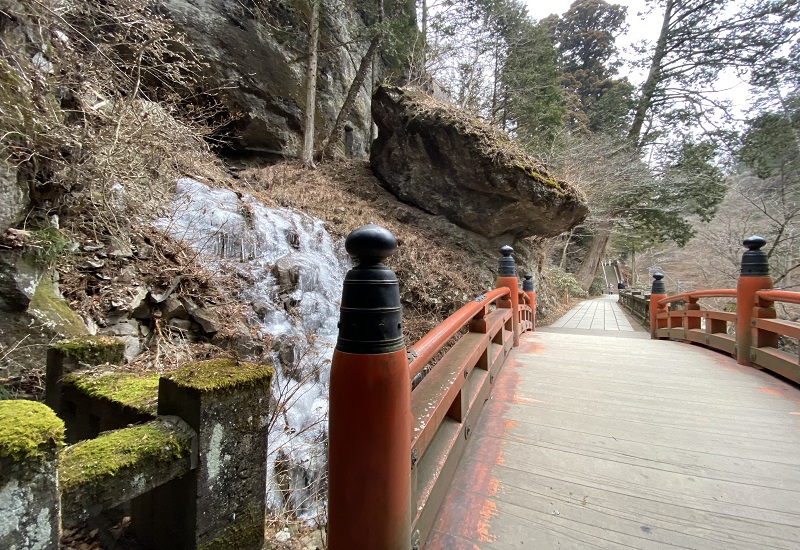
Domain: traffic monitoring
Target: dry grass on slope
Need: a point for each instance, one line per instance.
(440, 266)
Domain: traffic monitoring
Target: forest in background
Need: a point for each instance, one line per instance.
(664, 160)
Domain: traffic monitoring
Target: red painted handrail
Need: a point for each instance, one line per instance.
(769, 296)
(758, 331)
(430, 344)
(697, 294)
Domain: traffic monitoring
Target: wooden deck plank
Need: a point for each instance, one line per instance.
(597, 442)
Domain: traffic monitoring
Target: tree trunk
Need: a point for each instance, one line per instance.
(645, 102)
(591, 262)
(335, 136)
(424, 37)
(563, 263)
(311, 86)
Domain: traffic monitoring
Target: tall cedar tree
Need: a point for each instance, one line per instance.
(585, 37)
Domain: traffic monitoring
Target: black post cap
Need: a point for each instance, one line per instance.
(507, 266)
(527, 284)
(754, 261)
(370, 320)
(658, 284)
(370, 244)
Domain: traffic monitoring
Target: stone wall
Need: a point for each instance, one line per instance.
(194, 472)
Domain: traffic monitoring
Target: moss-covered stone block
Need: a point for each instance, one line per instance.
(90, 351)
(72, 354)
(94, 401)
(30, 436)
(135, 391)
(221, 504)
(117, 466)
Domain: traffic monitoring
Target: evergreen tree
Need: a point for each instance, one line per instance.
(532, 103)
(585, 36)
(494, 60)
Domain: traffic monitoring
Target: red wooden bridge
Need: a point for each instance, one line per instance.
(591, 433)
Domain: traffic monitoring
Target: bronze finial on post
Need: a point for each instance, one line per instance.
(369, 465)
(507, 277)
(657, 293)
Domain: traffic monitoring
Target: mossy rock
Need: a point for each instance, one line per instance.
(28, 429)
(138, 391)
(450, 163)
(54, 312)
(221, 374)
(90, 462)
(92, 350)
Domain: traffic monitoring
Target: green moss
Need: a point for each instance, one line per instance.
(51, 309)
(221, 374)
(26, 428)
(244, 533)
(93, 350)
(137, 391)
(90, 462)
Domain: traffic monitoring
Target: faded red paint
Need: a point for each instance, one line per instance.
(521, 399)
(469, 508)
(369, 419)
(488, 511)
(791, 396)
(494, 486)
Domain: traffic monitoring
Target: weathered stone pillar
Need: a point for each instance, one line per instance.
(221, 503)
(70, 355)
(30, 435)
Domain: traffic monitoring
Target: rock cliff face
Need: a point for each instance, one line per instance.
(451, 164)
(257, 57)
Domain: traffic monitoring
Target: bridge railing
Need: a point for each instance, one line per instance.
(637, 303)
(753, 334)
(400, 418)
(767, 330)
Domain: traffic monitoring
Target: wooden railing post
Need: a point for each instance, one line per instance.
(754, 277)
(657, 293)
(370, 422)
(527, 288)
(507, 277)
(691, 323)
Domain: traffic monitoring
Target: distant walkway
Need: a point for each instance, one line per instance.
(599, 314)
(592, 441)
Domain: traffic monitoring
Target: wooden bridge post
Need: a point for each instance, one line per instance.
(657, 293)
(507, 277)
(754, 277)
(370, 423)
(527, 288)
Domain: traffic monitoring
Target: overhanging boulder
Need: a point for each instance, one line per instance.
(449, 163)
